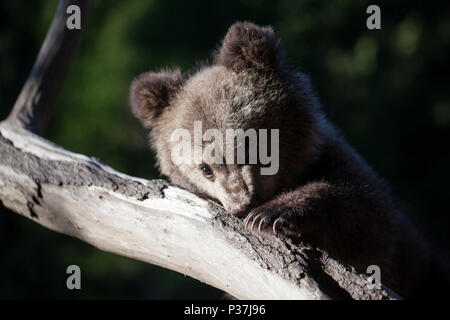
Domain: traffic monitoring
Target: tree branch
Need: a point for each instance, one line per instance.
(33, 106)
(160, 224)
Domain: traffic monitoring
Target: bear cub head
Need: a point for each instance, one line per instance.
(248, 89)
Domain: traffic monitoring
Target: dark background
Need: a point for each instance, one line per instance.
(388, 90)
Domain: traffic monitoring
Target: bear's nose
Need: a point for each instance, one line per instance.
(238, 210)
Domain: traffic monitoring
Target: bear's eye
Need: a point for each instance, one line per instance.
(207, 171)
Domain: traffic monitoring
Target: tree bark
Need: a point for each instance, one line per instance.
(157, 223)
(151, 221)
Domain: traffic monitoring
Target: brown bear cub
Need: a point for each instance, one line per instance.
(321, 190)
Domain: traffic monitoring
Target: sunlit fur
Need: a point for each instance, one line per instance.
(323, 192)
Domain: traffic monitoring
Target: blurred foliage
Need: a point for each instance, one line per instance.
(387, 89)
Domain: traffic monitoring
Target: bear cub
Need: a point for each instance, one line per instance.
(323, 191)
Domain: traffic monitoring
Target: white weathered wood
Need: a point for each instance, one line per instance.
(174, 232)
(174, 229)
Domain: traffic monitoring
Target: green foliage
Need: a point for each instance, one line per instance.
(387, 89)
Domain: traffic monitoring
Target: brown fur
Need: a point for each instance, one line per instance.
(323, 192)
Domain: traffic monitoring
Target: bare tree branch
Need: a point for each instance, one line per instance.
(32, 108)
(163, 225)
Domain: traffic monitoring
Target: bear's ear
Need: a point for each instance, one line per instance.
(151, 92)
(247, 45)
